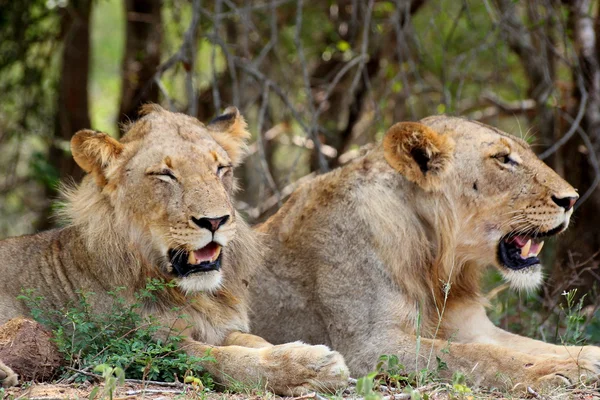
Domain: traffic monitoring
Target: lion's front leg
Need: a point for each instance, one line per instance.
(492, 365)
(469, 323)
(290, 369)
(8, 377)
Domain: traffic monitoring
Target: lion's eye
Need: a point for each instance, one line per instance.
(505, 159)
(222, 169)
(164, 175)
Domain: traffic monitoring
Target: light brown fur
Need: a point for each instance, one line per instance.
(356, 255)
(139, 200)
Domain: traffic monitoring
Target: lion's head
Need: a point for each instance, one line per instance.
(163, 191)
(505, 200)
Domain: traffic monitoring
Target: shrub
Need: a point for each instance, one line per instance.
(121, 337)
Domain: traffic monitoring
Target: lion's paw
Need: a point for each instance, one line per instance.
(299, 368)
(553, 372)
(7, 376)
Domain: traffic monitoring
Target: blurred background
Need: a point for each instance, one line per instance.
(316, 80)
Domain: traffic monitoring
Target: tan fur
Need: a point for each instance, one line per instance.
(366, 259)
(120, 223)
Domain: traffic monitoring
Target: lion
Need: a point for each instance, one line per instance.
(384, 255)
(158, 204)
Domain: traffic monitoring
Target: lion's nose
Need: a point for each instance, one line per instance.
(212, 224)
(565, 202)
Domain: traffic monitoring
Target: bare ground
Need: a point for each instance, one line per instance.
(152, 391)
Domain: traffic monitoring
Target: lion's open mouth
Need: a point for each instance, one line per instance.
(519, 251)
(205, 259)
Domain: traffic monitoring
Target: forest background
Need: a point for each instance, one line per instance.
(315, 80)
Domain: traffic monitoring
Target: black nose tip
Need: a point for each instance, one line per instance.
(212, 224)
(565, 202)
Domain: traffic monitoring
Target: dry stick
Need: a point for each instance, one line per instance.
(186, 53)
(163, 90)
(533, 393)
(272, 39)
(254, 7)
(261, 148)
(363, 49)
(213, 56)
(189, 56)
(312, 131)
(592, 156)
(576, 123)
(256, 212)
(400, 40)
(150, 391)
(136, 381)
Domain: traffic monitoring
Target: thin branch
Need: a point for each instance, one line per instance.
(213, 56)
(312, 131)
(189, 57)
(574, 126)
(592, 158)
(261, 148)
(364, 56)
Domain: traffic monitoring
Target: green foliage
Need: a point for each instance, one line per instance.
(113, 377)
(365, 386)
(574, 318)
(121, 337)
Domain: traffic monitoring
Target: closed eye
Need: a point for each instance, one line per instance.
(163, 174)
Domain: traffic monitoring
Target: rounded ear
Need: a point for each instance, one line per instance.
(419, 153)
(94, 151)
(230, 131)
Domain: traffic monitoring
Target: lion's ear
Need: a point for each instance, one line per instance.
(230, 131)
(94, 151)
(419, 153)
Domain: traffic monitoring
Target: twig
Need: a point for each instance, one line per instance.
(312, 129)
(592, 157)
(142, 391)
(213, 56)
(363, 50)
(188, 54)
(257, 212)
(164, 92)
(261, 148)
(82, 372)
(533, 393)
(574, 126)
(185, 54)
(156, 383)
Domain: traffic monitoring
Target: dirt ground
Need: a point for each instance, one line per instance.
(133, 391)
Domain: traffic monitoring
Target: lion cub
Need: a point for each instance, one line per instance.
(158, 203)
(392, 246)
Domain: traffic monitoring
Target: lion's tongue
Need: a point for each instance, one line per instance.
(208, 253)
(520, 240)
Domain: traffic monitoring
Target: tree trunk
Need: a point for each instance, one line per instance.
(142, 56)
(72, 111)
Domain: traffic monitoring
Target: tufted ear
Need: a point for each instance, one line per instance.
(94, 151)
(230, 131)
(419, 153)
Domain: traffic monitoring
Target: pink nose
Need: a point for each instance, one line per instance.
(565, 202)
